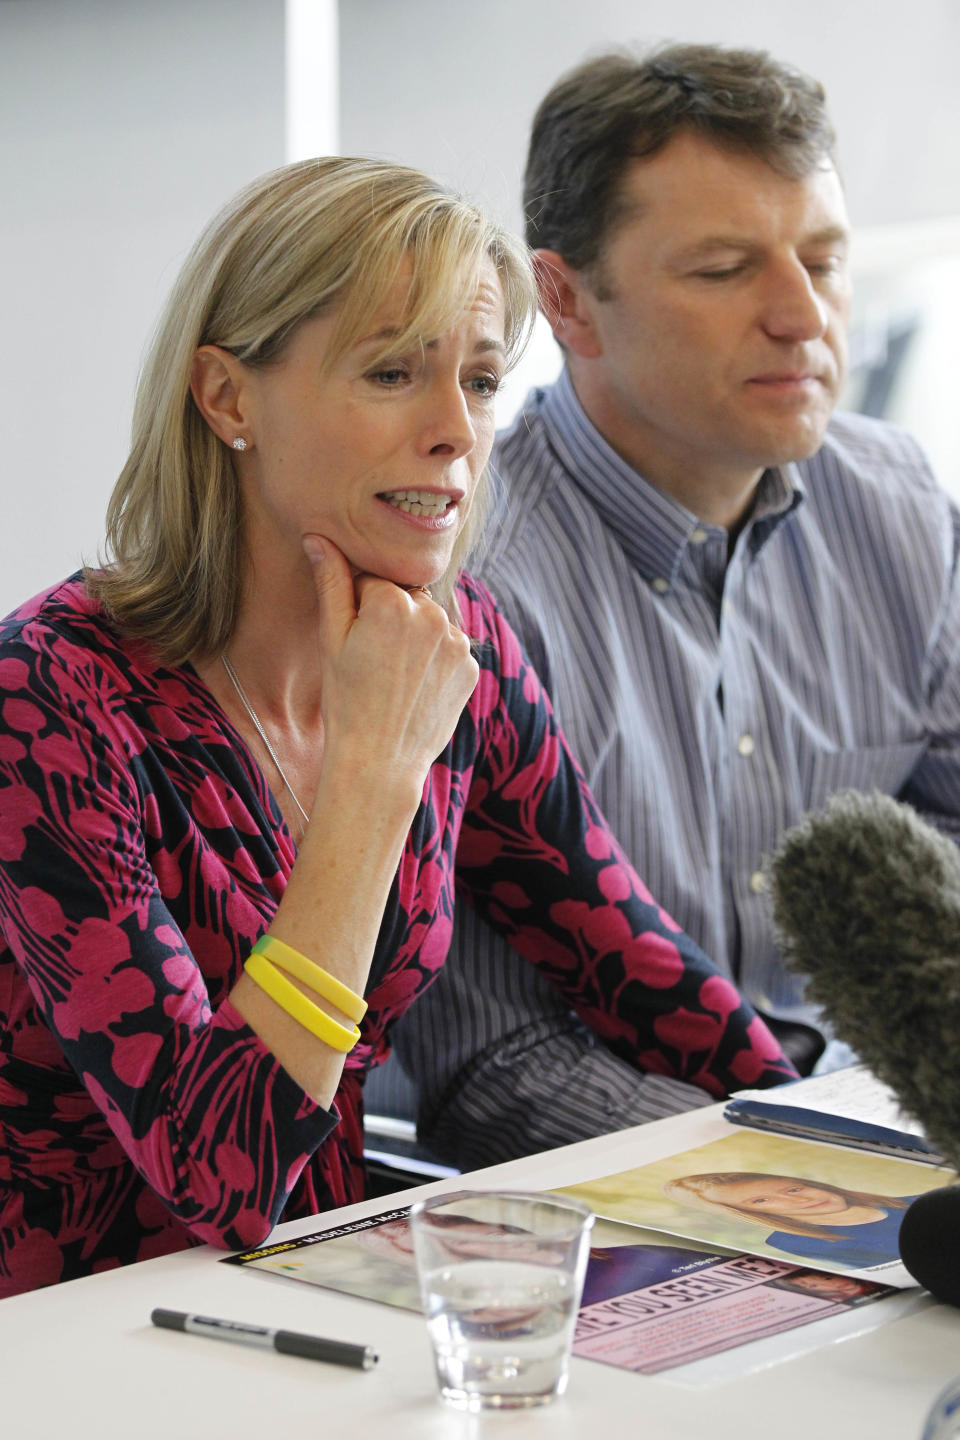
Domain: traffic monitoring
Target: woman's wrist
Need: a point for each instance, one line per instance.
(334, 901)
(385, 792)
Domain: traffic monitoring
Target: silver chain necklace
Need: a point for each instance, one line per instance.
(255, 719)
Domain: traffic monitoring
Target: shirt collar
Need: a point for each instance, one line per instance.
(653, 529)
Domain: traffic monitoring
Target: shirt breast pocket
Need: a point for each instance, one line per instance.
(880, 767)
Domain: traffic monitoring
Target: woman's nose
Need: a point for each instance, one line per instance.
(449, 428)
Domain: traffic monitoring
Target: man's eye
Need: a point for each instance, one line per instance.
(727, 273)
(833, 266)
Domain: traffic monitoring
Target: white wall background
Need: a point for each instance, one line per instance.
(125, 123)
(452, 87)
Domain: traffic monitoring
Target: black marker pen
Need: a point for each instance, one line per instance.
(288, 1342)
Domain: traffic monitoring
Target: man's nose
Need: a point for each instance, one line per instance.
(793, 308)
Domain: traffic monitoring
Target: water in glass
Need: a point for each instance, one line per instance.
(501, 1331)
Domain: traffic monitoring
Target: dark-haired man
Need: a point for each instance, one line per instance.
(738, 603)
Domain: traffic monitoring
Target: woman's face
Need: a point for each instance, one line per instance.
(778, 1195)
(381, 457)
(831, 1287)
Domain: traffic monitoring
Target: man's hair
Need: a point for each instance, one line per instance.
(319, 236)
(618, 108)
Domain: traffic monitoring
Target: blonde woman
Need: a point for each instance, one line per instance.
(244, 761)
(810, 1218)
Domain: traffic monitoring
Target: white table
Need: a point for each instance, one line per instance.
(81, 1360)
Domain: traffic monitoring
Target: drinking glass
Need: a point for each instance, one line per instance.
(943, 1419)
(500, 1277)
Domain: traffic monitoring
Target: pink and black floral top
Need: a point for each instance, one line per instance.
(142, 854)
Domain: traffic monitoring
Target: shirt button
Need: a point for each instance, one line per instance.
(698, 536)
(745, 745)
(758, 882)
(660, 585)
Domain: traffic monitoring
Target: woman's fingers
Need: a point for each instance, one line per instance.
(402, 679)
(396, 673)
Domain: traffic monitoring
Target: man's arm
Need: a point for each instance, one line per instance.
(504, 1068)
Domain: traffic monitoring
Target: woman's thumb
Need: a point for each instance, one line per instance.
(333, 582)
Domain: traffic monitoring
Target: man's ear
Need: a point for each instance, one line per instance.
(216, 386)
(566, 301)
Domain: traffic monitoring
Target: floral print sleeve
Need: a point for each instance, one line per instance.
(141, 856)
(537, 858)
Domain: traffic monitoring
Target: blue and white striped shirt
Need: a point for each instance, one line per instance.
(712, 694)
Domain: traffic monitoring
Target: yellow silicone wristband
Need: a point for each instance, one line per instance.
(311, 974)
(296, 1004)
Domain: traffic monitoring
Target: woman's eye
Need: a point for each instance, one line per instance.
(391, 377)
(486, 385)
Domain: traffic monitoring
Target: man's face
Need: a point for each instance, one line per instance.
(717, 316)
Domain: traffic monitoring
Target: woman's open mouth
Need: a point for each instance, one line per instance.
(419, 502)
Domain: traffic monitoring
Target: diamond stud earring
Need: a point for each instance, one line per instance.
(239, 443)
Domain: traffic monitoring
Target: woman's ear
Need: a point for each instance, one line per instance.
(565, 299)
(216, 378)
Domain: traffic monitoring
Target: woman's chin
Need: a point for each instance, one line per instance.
(407, 567)
(408, 577)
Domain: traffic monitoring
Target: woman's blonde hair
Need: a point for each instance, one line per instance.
(296, 242)
(698, 1185)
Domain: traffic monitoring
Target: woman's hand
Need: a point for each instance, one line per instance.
(395, 677)
(396, 673)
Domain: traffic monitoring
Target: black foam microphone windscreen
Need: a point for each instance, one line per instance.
(866, 903)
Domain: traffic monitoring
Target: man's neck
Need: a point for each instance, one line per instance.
(717, 494)
(715, 499)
